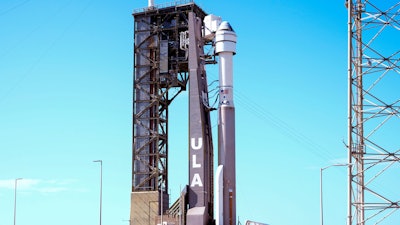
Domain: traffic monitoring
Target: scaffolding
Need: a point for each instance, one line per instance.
(374, 112)
(161, 73)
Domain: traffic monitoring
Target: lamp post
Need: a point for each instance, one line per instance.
(320, 186)
(15, 199)
(101, 185)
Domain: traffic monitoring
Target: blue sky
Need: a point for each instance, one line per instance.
(66, 100)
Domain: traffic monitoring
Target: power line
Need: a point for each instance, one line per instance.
(283, 127)
(12, 8)
(49, 47)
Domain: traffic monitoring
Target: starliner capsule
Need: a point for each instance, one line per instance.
(225, 48)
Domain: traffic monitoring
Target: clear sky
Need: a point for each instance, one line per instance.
(66, 99)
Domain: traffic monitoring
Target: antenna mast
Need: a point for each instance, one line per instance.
(374, 111)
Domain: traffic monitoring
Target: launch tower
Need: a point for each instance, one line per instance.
(168, 49)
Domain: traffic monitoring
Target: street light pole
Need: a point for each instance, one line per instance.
(320, 188)
(320, 196)
(101, 185)
(15, 200)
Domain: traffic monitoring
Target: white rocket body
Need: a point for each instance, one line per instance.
(225, 47)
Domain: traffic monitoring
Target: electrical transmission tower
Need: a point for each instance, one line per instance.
(374, 112)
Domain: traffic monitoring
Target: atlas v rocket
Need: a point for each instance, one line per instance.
(225, 48)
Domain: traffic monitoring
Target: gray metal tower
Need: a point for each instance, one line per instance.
(374, 112)
(164, 60)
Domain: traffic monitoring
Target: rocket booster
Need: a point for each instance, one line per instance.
(225, 48)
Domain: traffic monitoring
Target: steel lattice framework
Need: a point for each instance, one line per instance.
(161, 73)
(374, 112)
(160, 67)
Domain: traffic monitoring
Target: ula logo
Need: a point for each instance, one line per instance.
(195, 151)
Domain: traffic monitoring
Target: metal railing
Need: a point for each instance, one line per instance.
(163, 5)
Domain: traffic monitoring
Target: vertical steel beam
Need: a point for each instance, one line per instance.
(201, 186)
(359, 114)
(349, 5)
